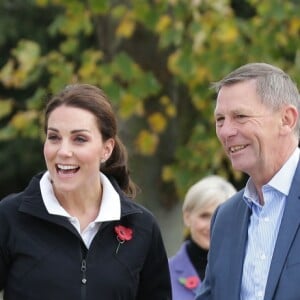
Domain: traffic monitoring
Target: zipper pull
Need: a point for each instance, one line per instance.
(83, 270)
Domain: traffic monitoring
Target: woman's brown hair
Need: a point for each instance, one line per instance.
(94, 100)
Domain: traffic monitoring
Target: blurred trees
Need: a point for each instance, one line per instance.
(154, 58)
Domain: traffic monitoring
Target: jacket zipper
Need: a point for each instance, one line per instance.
(83, 269)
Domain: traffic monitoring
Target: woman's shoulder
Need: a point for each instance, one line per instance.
(138, 215)
(13, 200)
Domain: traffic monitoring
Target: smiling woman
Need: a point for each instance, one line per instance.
(79, 216)
(188, 265)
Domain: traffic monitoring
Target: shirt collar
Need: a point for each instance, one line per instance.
(281, 181)
(110, 204)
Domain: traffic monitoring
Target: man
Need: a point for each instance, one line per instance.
(255, 236)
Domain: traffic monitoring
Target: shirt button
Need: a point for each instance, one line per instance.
(259, 294)
(263, 256)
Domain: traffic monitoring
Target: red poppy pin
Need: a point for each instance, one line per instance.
(190, 282)
(123, 234)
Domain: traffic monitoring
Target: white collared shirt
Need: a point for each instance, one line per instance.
(110, 207)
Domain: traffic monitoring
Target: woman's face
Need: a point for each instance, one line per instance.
(198, 222)
(73, 149)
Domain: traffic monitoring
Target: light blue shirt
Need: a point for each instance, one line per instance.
(263, 228)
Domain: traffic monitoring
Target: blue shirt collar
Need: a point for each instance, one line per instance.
(281, 181)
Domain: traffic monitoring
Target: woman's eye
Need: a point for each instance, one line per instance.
(80, 139)
(205, 215)
(52, 137)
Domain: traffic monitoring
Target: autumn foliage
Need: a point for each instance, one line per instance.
(154, 58)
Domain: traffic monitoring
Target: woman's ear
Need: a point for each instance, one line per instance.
(108, 148)
(186, 219)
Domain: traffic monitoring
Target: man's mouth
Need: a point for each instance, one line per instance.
(234, 149)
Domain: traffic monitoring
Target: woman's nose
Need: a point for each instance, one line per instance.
(65, 150)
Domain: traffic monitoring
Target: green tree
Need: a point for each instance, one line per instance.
(155, 59)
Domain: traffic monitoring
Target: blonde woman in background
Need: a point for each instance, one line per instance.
(187, 266)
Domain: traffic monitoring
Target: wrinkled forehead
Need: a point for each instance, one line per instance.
(241, 96)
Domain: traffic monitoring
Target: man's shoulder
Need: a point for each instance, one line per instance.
(233, 201)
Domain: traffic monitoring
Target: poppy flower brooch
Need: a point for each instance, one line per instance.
(190, 282)
(123, 234)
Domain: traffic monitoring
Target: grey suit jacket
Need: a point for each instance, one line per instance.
(228, 242)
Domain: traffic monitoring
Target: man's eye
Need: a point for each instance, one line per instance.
(241, 118)
(219, 121)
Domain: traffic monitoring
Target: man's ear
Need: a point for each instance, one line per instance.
(289, 119)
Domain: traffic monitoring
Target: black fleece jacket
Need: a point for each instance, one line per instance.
(42, 256)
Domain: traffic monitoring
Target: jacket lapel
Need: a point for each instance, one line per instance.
(183, 267)
(240, 234)
(288, 228)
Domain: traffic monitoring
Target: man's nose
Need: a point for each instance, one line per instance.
(227, 130)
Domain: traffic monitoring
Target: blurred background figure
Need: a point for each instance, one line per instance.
(187, 266)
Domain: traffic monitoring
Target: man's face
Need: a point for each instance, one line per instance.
(248, 130)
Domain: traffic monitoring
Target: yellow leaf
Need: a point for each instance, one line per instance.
(171, 110)
(281, 38)
(90, 64)
(163, 23)
(157, 122)
(199, 42)
(167, 174)
(28, 54)
(125, 28)
(130, 105)
(6, 74)
(146, 142)
(172, 62)
(202, 74)
(227, 33)
(22, 119)
(294, 26)
(164, 100)
(6, 106)
(200, 103)
(16, 72)
(41, 2)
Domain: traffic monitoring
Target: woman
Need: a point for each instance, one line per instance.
(74, 233)
(188, 265)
